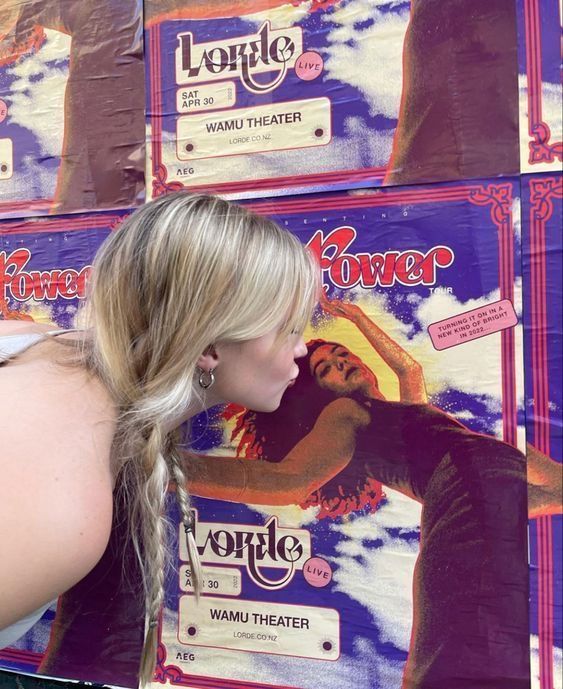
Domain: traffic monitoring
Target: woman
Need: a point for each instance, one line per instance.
(193, 302)
(470, 626)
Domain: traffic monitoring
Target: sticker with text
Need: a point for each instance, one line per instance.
(225, 581)
(484, 320)
(317, 572)
(255, 129)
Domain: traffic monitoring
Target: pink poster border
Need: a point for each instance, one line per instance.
(543, 192)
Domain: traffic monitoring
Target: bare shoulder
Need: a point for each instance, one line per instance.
(56, 429)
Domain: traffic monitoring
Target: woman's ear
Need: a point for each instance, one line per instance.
(209, 359)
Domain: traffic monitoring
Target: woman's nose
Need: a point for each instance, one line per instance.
(300, 349)
(340, 365)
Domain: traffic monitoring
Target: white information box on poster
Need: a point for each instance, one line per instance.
(241, 131)
(292, 630)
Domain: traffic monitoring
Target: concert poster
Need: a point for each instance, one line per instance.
(271, 97)
(421, 324)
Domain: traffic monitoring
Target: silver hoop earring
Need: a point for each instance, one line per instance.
(203, 382)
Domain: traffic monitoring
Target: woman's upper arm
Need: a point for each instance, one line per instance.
(55, 520)
(412, 384)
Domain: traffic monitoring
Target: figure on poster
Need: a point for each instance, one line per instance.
(545, 484)
(175, 327)
(102, 160)
(470, 581)
(544, 475)
(7, 314)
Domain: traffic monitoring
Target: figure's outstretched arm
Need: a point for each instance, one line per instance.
(161, 10)
(409, 372)
(314, 460)
(545, 484)
(7, 314)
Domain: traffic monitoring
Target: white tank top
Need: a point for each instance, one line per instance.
(11, 346)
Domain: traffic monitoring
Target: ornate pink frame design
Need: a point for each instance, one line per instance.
(542, 150)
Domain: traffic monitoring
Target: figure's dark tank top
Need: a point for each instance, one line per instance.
(406, 442)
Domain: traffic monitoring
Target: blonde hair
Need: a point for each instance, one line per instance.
(182, 273)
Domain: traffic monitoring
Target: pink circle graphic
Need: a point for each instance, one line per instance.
(3, 110)
(317, 572)
(309, 65)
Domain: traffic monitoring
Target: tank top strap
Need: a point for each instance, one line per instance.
(12, 345)
(54, 333)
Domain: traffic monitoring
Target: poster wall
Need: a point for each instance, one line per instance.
(261, 98)
(71, 106)
(542, 219)
(415, 147)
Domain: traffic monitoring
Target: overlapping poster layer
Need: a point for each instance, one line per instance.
(260, 98)
(45, 265)
(71, 106)
(322, 582)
